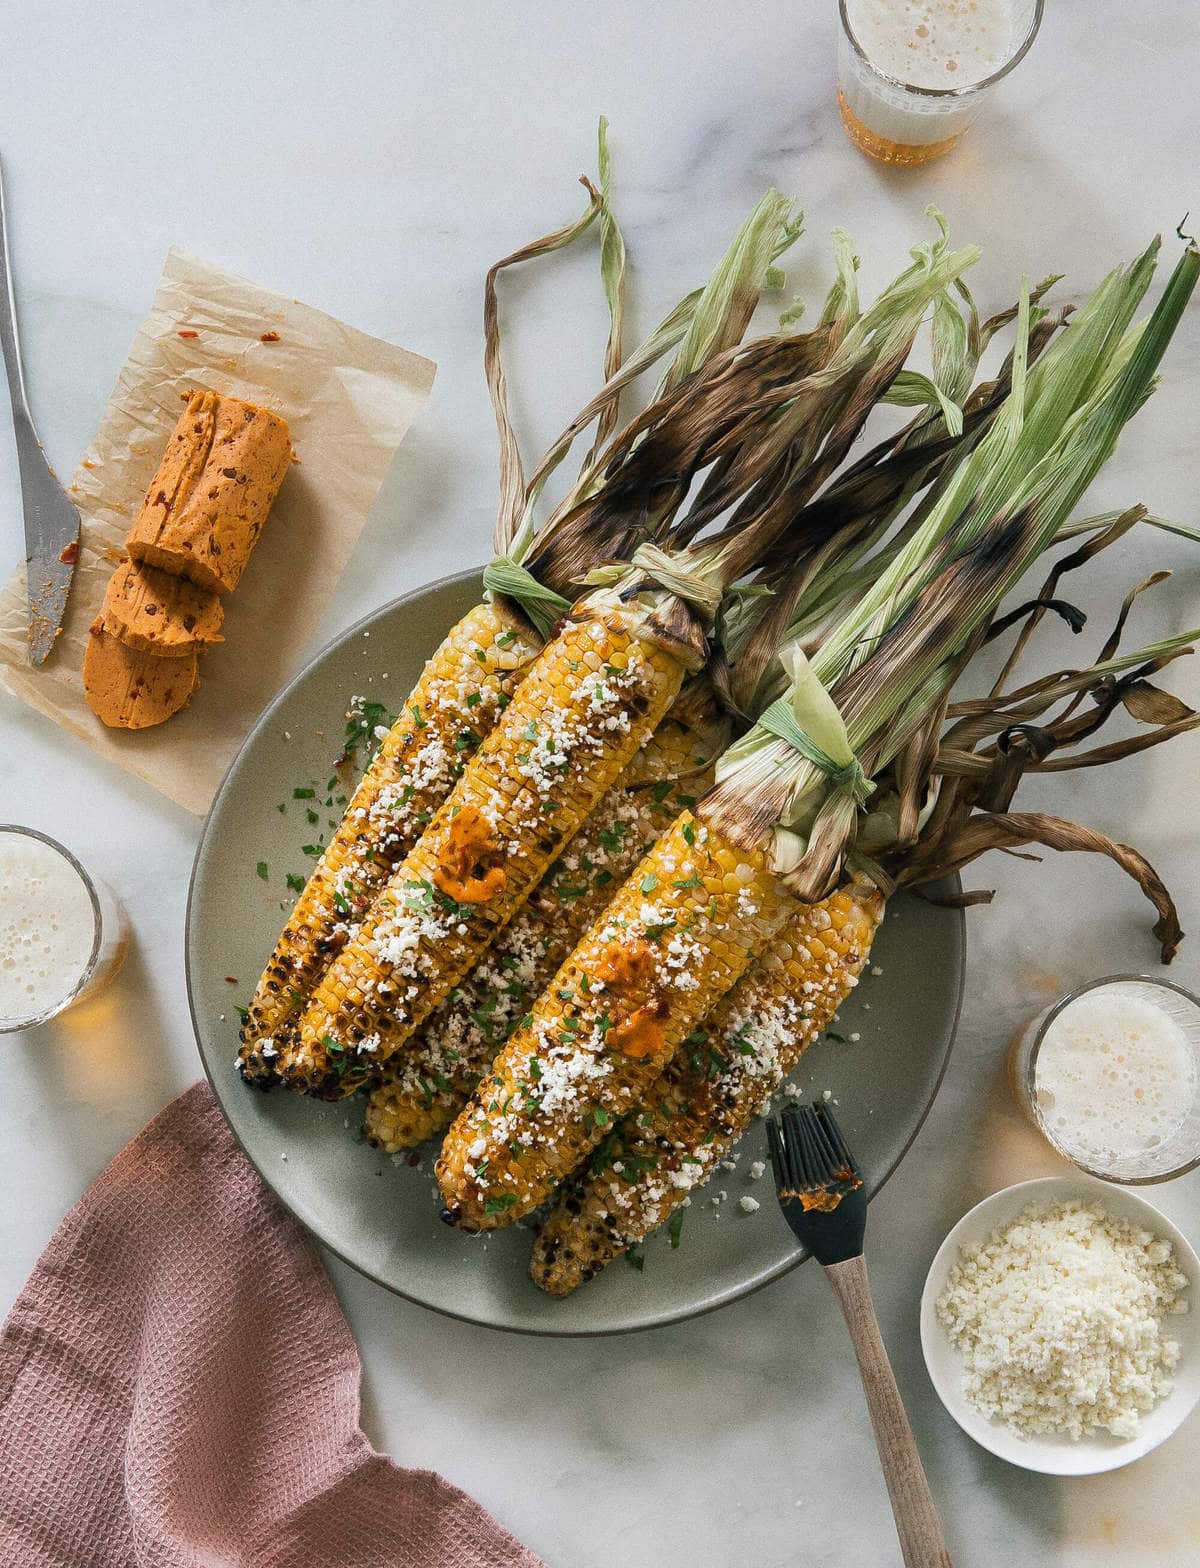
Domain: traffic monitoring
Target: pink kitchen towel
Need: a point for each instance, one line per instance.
(180, 1389)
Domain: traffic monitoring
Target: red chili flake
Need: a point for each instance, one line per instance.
(189, 334)
(231, 980)
(69, 553)
(268, 337)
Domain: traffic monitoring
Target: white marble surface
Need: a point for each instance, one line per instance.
(374, 160)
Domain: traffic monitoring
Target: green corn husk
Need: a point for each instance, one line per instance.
(890, 664)
(843, 539)
(707, 323)
(770, 423)
(531, 569)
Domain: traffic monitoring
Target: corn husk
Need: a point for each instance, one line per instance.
(889, 666)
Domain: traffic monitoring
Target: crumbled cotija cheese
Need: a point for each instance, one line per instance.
(1057, 1316)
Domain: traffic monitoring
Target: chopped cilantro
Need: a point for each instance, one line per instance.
(689, 832)
(295, 882)
(676, 1226)
(303, 794)
(362, 721)
(499, 1204)
(635, 1259)
(613, 838)
(649, 882)
(262, 869)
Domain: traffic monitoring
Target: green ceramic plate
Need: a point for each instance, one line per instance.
(379, 1214)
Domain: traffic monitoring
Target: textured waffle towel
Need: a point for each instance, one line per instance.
(179, 1388)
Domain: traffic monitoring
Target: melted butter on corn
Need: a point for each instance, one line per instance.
(577, 719)
(702, 908)
(722, 1077)
(430, 1082)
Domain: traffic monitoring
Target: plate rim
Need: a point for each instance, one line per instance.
(316, 1231)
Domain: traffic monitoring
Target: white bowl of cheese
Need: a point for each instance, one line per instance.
(1028, 1323)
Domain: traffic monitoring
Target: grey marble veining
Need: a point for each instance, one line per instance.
(374, 161)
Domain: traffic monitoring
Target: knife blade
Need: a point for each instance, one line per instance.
(51, 522)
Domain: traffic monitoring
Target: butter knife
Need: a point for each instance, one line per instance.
(51, 522)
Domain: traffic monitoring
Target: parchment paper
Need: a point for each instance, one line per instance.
(348, 399)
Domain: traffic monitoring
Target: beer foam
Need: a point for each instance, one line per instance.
(47, 927)
(1115, 1077)
(934, 43)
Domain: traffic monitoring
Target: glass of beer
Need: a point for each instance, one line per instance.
(63, 934)
(913, 74)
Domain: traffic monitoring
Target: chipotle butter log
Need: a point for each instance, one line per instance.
(207, 503)
(153, 612)
(129, 690)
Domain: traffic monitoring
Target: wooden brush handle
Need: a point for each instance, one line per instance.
(917, 1522)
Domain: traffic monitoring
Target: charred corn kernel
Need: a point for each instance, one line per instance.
(436, 1074)
(687, 742)
(568, 733)
(561, 1083)
(723, 1076)
(462, 689)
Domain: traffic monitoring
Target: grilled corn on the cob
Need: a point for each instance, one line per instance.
(436, 1073)
(463, 687)
(590, 700)
(679, 934)
(710, 1092)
